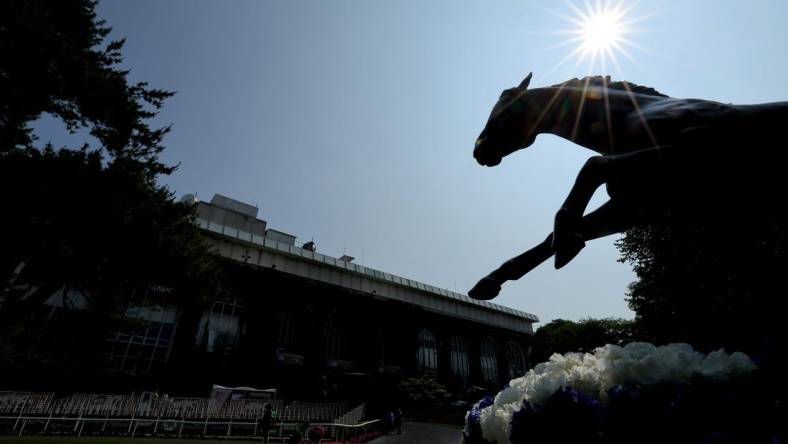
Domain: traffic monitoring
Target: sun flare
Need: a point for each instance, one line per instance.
(601, 31)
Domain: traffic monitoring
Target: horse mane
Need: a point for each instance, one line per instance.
(601, 82)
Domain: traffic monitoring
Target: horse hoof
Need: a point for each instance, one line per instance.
(567, 250)
(486, 289)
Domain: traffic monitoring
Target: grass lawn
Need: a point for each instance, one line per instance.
(102, 440)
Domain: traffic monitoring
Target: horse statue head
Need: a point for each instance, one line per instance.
(512, 125)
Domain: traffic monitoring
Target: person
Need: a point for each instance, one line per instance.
(398, 420)
(266, 422)
(391, 420)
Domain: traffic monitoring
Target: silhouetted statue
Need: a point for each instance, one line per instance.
(657, 154)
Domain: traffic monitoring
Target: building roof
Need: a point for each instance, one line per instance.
(272, 246)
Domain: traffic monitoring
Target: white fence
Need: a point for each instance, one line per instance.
(137, 415)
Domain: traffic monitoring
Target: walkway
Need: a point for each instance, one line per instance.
(421, 433)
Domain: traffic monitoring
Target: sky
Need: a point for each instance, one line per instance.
(352, 123)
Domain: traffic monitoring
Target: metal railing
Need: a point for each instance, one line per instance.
(84, 404)
(149, 415)
(178, 428)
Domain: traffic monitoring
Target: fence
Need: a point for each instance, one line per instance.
(147, 415)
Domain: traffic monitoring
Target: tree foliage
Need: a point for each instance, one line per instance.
(53, 59)
(101, 230)
(563, 336)
(93, 218)
(710, 280)
(424, 390)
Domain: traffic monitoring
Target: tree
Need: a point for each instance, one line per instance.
(52, 61)
(563, 336)
(711, 280)
(104, 231)
(424, 391)
(92, 218)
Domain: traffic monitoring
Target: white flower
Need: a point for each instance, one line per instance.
(593, 374)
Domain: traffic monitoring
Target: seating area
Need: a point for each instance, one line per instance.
(149, 414)
(153, 406)
(352, 417)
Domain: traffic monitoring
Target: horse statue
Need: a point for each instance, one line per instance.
(656, 155)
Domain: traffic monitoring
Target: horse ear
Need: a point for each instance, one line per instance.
(526, 81)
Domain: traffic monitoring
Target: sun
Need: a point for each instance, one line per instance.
(601, 31)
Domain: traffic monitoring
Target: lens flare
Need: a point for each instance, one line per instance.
(601, 31)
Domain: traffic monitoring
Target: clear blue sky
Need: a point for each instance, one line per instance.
(353, 122)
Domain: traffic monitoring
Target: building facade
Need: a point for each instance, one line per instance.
(313, 325)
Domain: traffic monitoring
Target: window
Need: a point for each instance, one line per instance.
(335, 341)
(286, 335)
(427, 353)
(489, 362)
(459, 356)
(220, 329)
(144, 343)
(381, 347)
(515, 360)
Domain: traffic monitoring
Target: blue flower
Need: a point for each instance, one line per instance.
(572, 415)
(525, 424)
(473, 429)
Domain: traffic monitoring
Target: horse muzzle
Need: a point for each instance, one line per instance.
(484, 158)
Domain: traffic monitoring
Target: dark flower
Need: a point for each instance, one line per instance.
(526, 426)
(572, 416)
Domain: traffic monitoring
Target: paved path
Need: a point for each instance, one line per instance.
(422, 433)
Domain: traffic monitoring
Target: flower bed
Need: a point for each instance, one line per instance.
(637, 393)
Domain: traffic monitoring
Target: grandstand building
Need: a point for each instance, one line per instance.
(316, 326)
(312, 326)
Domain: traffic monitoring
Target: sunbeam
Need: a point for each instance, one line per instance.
(599, 31)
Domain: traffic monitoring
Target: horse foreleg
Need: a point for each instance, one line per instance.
(567, 239)
(608, 219)
(515, 268)
(628, 170)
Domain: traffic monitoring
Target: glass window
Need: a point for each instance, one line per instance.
(515, 360)
(489, 362)
(427, 353)
(459, 356)
(219, 329)
(160, 354)
(335, 341)
(230, 231)
(243, 235)
(167, 330)
(286, 331)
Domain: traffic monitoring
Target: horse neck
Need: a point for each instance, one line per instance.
(562, 115)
